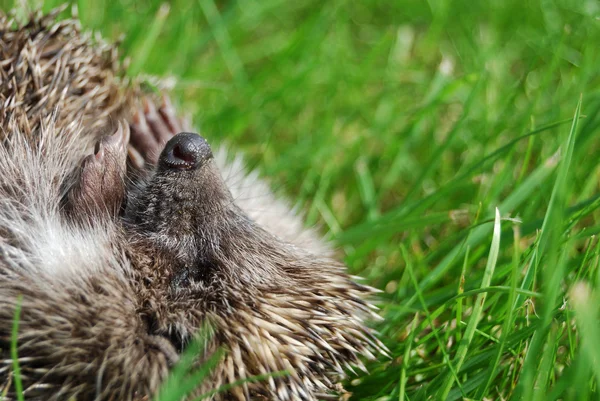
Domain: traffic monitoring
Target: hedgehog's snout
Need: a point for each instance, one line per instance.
(185, 151)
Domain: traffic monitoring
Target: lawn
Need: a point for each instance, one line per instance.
(447, 148)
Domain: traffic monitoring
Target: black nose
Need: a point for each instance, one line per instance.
(185, 151)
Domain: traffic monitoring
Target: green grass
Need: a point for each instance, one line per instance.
(18, 384)
(399, 127)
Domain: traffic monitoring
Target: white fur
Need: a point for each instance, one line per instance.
(34, 238)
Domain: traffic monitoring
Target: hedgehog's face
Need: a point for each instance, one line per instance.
(200, 251)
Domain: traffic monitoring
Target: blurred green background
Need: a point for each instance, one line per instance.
(398, 127)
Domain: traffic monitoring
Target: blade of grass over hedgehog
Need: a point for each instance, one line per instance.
(185, 376)
(13, 353)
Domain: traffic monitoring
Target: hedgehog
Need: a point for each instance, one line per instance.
(123, 234)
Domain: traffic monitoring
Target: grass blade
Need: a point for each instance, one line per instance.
(14, 351)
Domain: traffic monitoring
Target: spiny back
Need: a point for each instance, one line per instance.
(48, 67)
